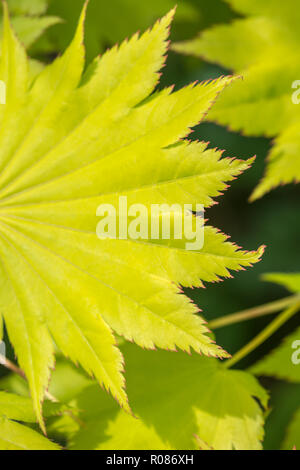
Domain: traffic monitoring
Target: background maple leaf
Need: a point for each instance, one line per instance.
(263, 48)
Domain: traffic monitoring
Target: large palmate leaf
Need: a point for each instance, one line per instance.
(177, 401)
(284, 361)
(69, 144)
(263, 47)
(17, 436)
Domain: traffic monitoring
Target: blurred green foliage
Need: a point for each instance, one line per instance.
(29, 19)
(108, 23)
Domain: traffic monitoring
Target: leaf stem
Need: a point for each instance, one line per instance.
(11, 366)
(14, 368)
(255, 312)
(263, 335)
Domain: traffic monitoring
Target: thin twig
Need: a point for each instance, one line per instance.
(255, 312)
(11, 366)
(263, 335)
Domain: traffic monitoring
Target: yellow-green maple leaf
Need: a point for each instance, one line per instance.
(69, 142)
(263, 48)
(178, 400)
